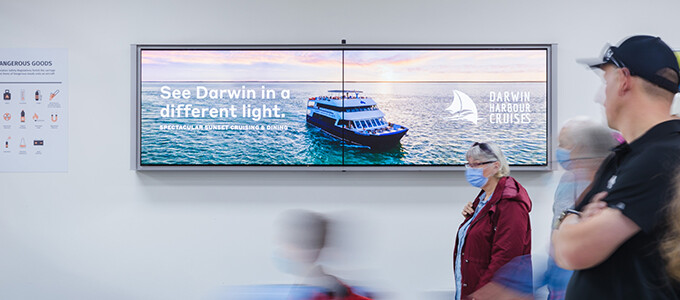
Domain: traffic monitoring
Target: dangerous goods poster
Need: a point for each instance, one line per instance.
(34, 109)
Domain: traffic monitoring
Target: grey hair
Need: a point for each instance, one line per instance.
(593, 139)
(475, 152)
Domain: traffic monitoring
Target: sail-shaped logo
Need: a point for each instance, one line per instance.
(462, 108)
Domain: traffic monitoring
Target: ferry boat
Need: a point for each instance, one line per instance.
(353, 118)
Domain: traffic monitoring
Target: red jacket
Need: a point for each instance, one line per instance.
(500, 232)
(350, 296)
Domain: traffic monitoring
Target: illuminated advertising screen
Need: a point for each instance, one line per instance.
(339, 106)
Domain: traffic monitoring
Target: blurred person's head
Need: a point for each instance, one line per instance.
(485, 160)
(302, 237)
(583, 143)
(670, 247)
(641, 77)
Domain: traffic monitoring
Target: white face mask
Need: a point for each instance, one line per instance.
(601, 95)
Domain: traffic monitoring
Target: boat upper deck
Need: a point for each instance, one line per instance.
(347, 98)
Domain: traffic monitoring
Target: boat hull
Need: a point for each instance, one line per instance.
(375, 141)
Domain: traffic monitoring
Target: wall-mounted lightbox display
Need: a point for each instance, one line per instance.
(394, 107)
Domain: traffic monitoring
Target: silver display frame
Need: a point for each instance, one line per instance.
(136, 50)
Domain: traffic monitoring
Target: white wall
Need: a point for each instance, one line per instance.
(102, 231)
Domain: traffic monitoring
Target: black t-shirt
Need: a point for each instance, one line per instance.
(639, 179)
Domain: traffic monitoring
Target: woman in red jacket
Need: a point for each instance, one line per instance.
(496, 227)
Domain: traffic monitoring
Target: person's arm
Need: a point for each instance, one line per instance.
(584, 242)
(508, 242)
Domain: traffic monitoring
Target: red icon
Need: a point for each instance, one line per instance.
(54, 117)
(35, 117)
(7, 116)
(52, 95)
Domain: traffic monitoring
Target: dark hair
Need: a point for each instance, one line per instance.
(670, 248)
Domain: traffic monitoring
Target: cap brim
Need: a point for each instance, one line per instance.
(591, 62)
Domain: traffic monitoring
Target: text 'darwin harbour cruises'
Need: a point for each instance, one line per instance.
(329, 107)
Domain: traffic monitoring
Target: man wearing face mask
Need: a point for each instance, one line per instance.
(496, 227)
(583, 145)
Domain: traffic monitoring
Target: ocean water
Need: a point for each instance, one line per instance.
(434, 137)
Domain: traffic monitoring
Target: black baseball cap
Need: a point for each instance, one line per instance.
(644, 56)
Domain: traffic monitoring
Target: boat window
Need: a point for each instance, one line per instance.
(324, 118)
(374, 123)
(326, 106)
(363, 124)
(356, 124)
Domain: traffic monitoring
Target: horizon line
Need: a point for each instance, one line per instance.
(347, 81)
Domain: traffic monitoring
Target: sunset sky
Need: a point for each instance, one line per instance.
(326, 65)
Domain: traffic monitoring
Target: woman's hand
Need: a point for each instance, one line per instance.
(467, 210)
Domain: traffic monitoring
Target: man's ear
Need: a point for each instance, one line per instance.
(626, 81)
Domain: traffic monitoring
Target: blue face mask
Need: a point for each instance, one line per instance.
(475, 176)
(562, 155)
(290, 266)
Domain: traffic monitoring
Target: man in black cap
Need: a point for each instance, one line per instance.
(612, 238)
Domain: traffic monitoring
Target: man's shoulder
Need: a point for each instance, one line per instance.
(665, 135)
(660, 151)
